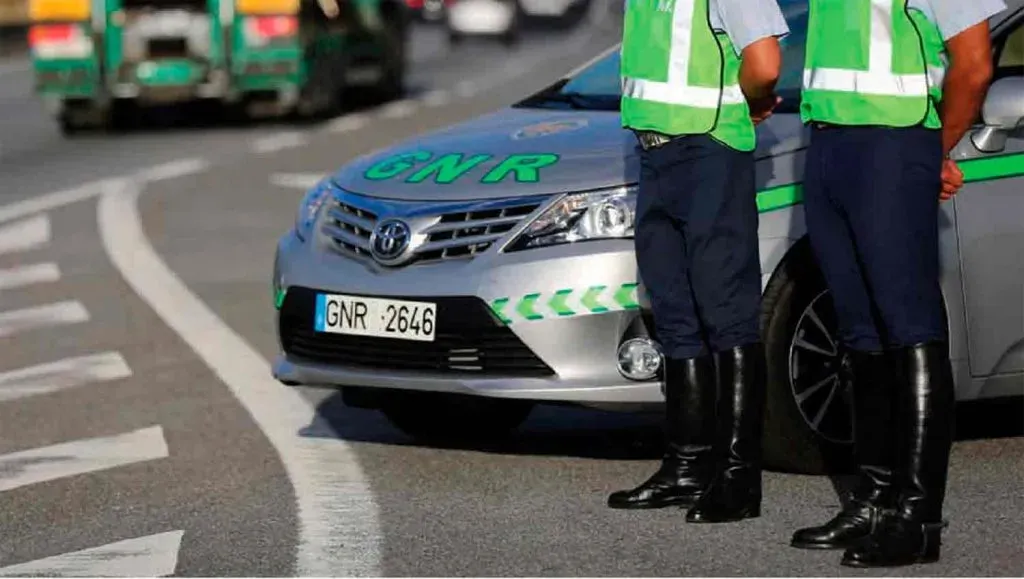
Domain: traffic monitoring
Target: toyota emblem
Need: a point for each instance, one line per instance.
(389, 241)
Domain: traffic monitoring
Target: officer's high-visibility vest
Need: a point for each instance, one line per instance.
(872, 62)
(679, 76)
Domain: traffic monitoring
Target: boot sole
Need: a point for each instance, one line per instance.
(652, 505)
(905, 563)
(750, 514)
(821, 546)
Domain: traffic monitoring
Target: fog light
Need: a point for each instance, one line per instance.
(639, 359)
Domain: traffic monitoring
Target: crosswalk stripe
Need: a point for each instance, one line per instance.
(57, 314)
(149, 556)
(25, 234)
(48, 463)
(62, 374)
(28, 274)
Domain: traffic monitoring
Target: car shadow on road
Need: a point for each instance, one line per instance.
(560, 431)
(571, 432)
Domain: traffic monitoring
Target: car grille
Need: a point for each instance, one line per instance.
(453, 230)
(469, 340)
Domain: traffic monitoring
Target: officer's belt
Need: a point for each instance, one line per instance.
(650, 139)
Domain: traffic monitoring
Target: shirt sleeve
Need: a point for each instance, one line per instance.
(954, 16)
(747, 21)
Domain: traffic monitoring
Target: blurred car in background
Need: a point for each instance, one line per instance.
(429, 10)
(553, 8)
(499, 19)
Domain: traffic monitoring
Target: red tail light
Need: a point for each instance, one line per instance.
(59, 41)
(263, 29)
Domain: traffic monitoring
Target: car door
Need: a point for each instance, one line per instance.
(990, 226)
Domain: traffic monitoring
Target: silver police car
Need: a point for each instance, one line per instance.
(460, 277)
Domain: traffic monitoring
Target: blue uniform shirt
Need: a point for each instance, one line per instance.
(747, 21)
(954, 16)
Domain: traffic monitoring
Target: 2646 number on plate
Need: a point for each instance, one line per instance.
(376, 317)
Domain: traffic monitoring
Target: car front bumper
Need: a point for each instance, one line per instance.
(535, 336)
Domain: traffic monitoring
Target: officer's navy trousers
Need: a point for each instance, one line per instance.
(696, 245)
(872, 202)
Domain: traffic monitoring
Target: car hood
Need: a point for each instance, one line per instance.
(517, 152)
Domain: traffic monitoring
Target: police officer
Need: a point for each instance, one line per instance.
(697, 76)
(877, 166)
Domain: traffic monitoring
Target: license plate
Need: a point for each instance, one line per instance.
(376, 317)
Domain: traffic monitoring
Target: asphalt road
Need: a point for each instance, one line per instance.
(140, 433)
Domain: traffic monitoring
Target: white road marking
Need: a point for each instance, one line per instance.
(41, 203)
(173, 170)
(296, 180)
(436, 98)
(25, 234)
(279, 142)
(339, 531)
(84, 456)
(48, 316)
(24, 275)
(348, 123)
(150, 556)
(62, 374)
(398, 109)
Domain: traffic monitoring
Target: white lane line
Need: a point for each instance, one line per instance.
(25, 234)
(436, 98)
(296, 180)
(38, 317)
(279, 142)
(339, 530)
(150, 556)
(24, 275)
(348, 123)
(173, 170)
(398, 109)
(48, 201)
(77, 457)
(62, 375)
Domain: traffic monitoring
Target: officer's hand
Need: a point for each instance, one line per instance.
(761, 109)
(952, 179)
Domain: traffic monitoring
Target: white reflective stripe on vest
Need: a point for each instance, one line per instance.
(879, 78)
(677, 90)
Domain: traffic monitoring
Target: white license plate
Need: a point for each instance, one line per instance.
(376, 317)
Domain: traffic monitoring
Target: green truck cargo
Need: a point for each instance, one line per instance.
(95, 59)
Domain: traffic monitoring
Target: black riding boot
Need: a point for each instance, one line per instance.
(685, 467)
(735, 491)
(925, 414)
(873, 400)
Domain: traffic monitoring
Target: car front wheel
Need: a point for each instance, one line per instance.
(453, 418)
(808, 413)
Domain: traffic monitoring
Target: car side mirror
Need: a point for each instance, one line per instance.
(1002, 113)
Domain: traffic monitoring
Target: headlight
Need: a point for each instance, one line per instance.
(608, 214)
(309, 208)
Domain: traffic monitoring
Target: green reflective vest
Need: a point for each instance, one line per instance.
(679, 76)
(872, 62)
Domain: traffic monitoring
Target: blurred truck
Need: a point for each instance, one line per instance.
(94, 59)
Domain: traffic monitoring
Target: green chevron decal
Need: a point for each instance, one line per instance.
(626, 296)
(498, 306)
(558, 305)
(279, 296)
(563, 303)
(525, 307)
(975, 170)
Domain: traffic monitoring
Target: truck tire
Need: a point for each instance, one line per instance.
(432, 417)
(808, 416)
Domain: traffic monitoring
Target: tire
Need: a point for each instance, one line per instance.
(792, 442)
(448, 418)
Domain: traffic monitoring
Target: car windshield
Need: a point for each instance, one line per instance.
(597, 86)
